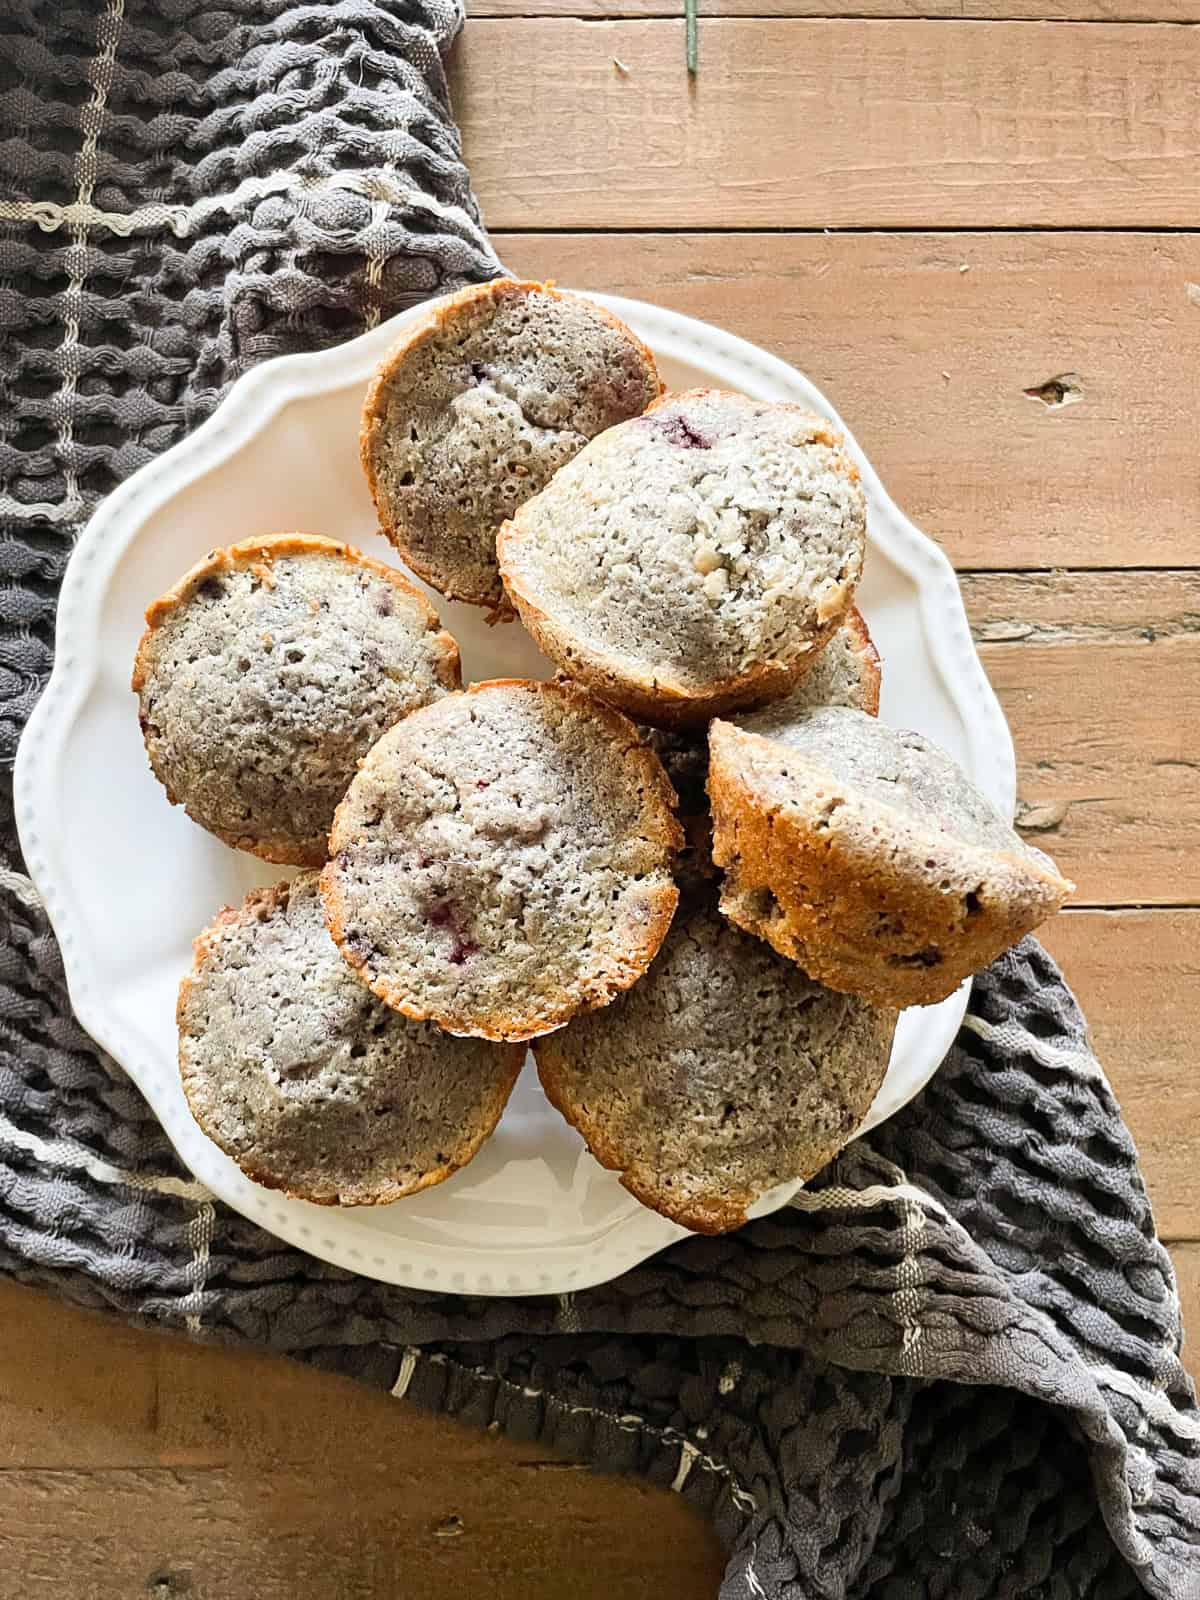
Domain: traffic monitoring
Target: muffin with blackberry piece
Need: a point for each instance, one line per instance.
(502, 860)
(694, 561)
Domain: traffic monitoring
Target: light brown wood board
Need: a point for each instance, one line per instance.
(795, 123)
(1113, 11)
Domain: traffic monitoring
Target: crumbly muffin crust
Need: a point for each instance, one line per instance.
(309, 1083)
(692, 561)
(265, 675)
(478, 405)
(503, 860)
(868, 857)
(723, 1074)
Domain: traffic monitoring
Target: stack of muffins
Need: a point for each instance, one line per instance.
(693, 870)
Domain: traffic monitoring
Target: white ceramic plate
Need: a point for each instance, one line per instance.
(128, 880)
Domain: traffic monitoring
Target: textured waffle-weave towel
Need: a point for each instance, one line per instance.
(952, 1369)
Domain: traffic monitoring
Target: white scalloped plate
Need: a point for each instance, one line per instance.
(128, 880)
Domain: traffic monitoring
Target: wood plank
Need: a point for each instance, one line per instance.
(929, 365)
(1137, 976)
(795, 123)
(131, 1460)
(1187, 1269)
(988, 10)
(383, 1532)
(1082, 608)
(1097, 673)
(1107, 760)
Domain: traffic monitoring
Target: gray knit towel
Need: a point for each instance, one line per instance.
(950, 1370)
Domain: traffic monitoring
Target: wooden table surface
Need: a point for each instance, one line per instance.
(931, 215)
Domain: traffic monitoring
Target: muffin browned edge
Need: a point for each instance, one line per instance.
(435, 318)
(253, 554)
(856, 626)
(646, 941)
(699, 1213)
(260, 904)
(763, 842)
(652, 699)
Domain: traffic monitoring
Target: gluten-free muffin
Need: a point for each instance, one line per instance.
(265, 675)
(307, 1081)
(503, 860)
(693, 561)
(868, 857)
(847, 673)
(724, 1073)
(474, 410)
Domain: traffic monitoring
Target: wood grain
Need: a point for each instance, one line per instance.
(988, 10)
(226, 1535)
(929, 364)
(795, 123)
(1090, 608)
(1187, 1267)
(1097, 673)
(136, 1464)
(1108, 758)
(1136, 975)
